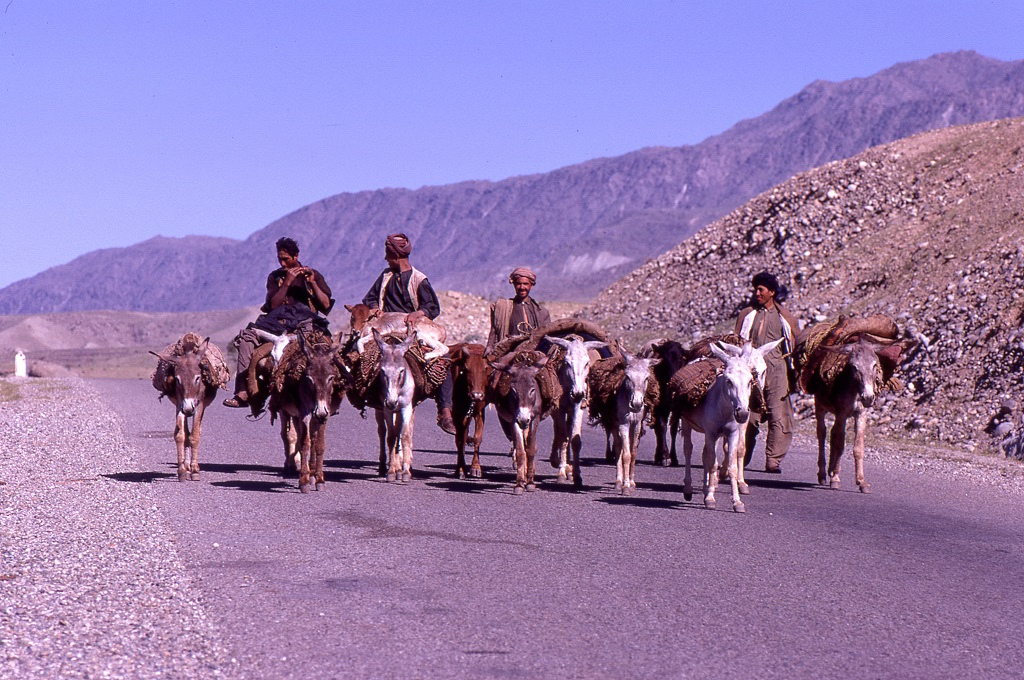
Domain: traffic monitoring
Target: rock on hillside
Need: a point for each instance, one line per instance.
(929, 230)
(575, 226)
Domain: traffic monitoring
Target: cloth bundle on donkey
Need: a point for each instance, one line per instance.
(365, 367)
(292, 366)
(214, 371)
(690, 384)
(561, 328)
(819, 359)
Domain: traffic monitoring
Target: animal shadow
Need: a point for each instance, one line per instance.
(269, 486)
(643, 502)
(140, 477)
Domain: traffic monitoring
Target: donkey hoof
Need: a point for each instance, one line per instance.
(304, 488)
(182, 476)
(744, 488)
(517, 491)
(194, 476)
(460, 474)
(865, 488)
(476, 472)
(390, 477)
(834, 485)
(687, 495)
(739, 507)
(407, 476)
(531, 487)
(627, 490)
(709, 503)
(320, 486)
(822, 481)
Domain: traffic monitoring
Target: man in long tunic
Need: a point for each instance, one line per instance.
(765, 321)
(403, 288)
(517, 315)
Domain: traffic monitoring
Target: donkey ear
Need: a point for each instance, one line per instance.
(719, 351)
(594, 344)
(349, 308)
(161, 357)
(555, 340)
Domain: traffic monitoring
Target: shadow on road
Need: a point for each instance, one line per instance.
(657, 503)
(141, 477)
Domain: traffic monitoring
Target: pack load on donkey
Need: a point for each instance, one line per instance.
(606, 377)
(819, 357)
(214, 370)
(690, 384)
(517, 349)
(365, 367)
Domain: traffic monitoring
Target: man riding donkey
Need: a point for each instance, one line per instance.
(403, 288)
(519, 315)
(764, 321)
(298, 297)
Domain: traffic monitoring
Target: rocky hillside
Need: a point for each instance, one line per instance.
(576, 226)
(929, 230)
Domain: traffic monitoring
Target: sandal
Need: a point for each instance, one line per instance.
(236, 402)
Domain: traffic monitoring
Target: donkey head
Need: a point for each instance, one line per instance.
(638, 374)
(322, 374)
(737, 377)
(189, 389)
(524, 398)
(861, 372)
(396, 383)
(576, 365)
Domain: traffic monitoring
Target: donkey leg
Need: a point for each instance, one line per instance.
(520, 458)
(290, 439)
(740, 454)
(835, 452)
(531, 455)
(687, 455)
(819, 418)
(193, 442)
(382, 460)
(577, 443)
(319, 443)
(732, 453)
(180, 434)
(302, 429)
(859, 427)
(710, 471)
(408, 425)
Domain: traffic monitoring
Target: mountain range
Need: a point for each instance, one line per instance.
(580, 227)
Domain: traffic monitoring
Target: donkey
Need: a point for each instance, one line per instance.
(470, 373)
(850, 395)
(396, 416)
(521, 404)
(672, 356)
(723, 414)
(304, 398)
(630, 411)
(568, 415)
(180, 378)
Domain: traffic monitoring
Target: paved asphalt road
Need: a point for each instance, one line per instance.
(445, 578)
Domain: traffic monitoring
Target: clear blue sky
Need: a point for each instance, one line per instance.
(125, 119)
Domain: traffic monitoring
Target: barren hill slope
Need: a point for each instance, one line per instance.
(929, 230)
(578, 226)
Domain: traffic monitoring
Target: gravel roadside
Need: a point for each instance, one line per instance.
(91, 584)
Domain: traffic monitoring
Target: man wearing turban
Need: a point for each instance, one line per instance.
(764, 321)
(520, 314)
(403, 288)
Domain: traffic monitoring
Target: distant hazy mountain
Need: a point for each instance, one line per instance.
(581, 227)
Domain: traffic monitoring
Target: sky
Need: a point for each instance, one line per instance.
(121, 120)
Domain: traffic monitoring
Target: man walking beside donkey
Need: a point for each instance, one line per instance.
(764, 321)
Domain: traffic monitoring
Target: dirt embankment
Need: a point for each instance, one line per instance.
(929, 230)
